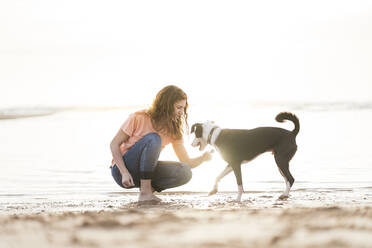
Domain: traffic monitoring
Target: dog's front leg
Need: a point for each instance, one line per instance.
(226, 171)
(238, 174)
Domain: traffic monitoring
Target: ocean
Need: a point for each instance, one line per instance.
(63, 153)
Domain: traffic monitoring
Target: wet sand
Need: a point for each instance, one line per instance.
(184, 219)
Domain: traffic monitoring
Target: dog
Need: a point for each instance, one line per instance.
(238, 146)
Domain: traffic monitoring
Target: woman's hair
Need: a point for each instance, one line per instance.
(162, 111)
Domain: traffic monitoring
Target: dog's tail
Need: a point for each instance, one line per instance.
(289, 116)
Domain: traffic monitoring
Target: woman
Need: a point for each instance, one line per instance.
(137, 145)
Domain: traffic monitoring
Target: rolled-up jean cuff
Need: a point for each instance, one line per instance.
(146, 175)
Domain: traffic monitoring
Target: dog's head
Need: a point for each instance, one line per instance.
(202, 131)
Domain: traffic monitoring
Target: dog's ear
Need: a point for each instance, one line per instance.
(198, 129)
(194, 126)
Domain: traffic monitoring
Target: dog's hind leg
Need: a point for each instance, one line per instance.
(226, 171)
(283, 166)
(285, 194)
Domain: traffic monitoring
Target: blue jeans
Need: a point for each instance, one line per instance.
(141, 160)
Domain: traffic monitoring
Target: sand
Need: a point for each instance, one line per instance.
(190, 220)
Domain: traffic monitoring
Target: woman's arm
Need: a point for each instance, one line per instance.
(182, 155)
(120, 138)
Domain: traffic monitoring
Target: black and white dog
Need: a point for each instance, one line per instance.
(238, 146)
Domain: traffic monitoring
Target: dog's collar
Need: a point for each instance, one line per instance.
(210, 134)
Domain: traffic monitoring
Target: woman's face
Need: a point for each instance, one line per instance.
(179, 108)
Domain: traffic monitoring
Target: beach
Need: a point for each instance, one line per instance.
(57, 190)
(184, 219)
(72, 72)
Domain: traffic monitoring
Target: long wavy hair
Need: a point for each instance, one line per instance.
(162, 112)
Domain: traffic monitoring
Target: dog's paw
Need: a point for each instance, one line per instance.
(213, 191)
(283, 197)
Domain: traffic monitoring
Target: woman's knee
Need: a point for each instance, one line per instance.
(186, 173)
(153, 139)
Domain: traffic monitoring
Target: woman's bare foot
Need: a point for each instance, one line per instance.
(148, 197)
(146, 192)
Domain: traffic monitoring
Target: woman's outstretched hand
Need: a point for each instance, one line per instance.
(127, 180)
(207, 156)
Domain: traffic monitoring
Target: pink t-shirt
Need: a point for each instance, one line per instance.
(138, 125)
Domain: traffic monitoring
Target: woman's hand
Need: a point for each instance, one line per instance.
(207, 156)
(127, 180)
(192, 162)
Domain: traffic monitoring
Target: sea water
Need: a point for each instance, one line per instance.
(67, 153)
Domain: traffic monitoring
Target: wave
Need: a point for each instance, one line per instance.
(314, 106)
(22, 112)
(334, 106)
(15, 113)
(25, 112)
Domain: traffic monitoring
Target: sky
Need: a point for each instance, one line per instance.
(115, 52)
